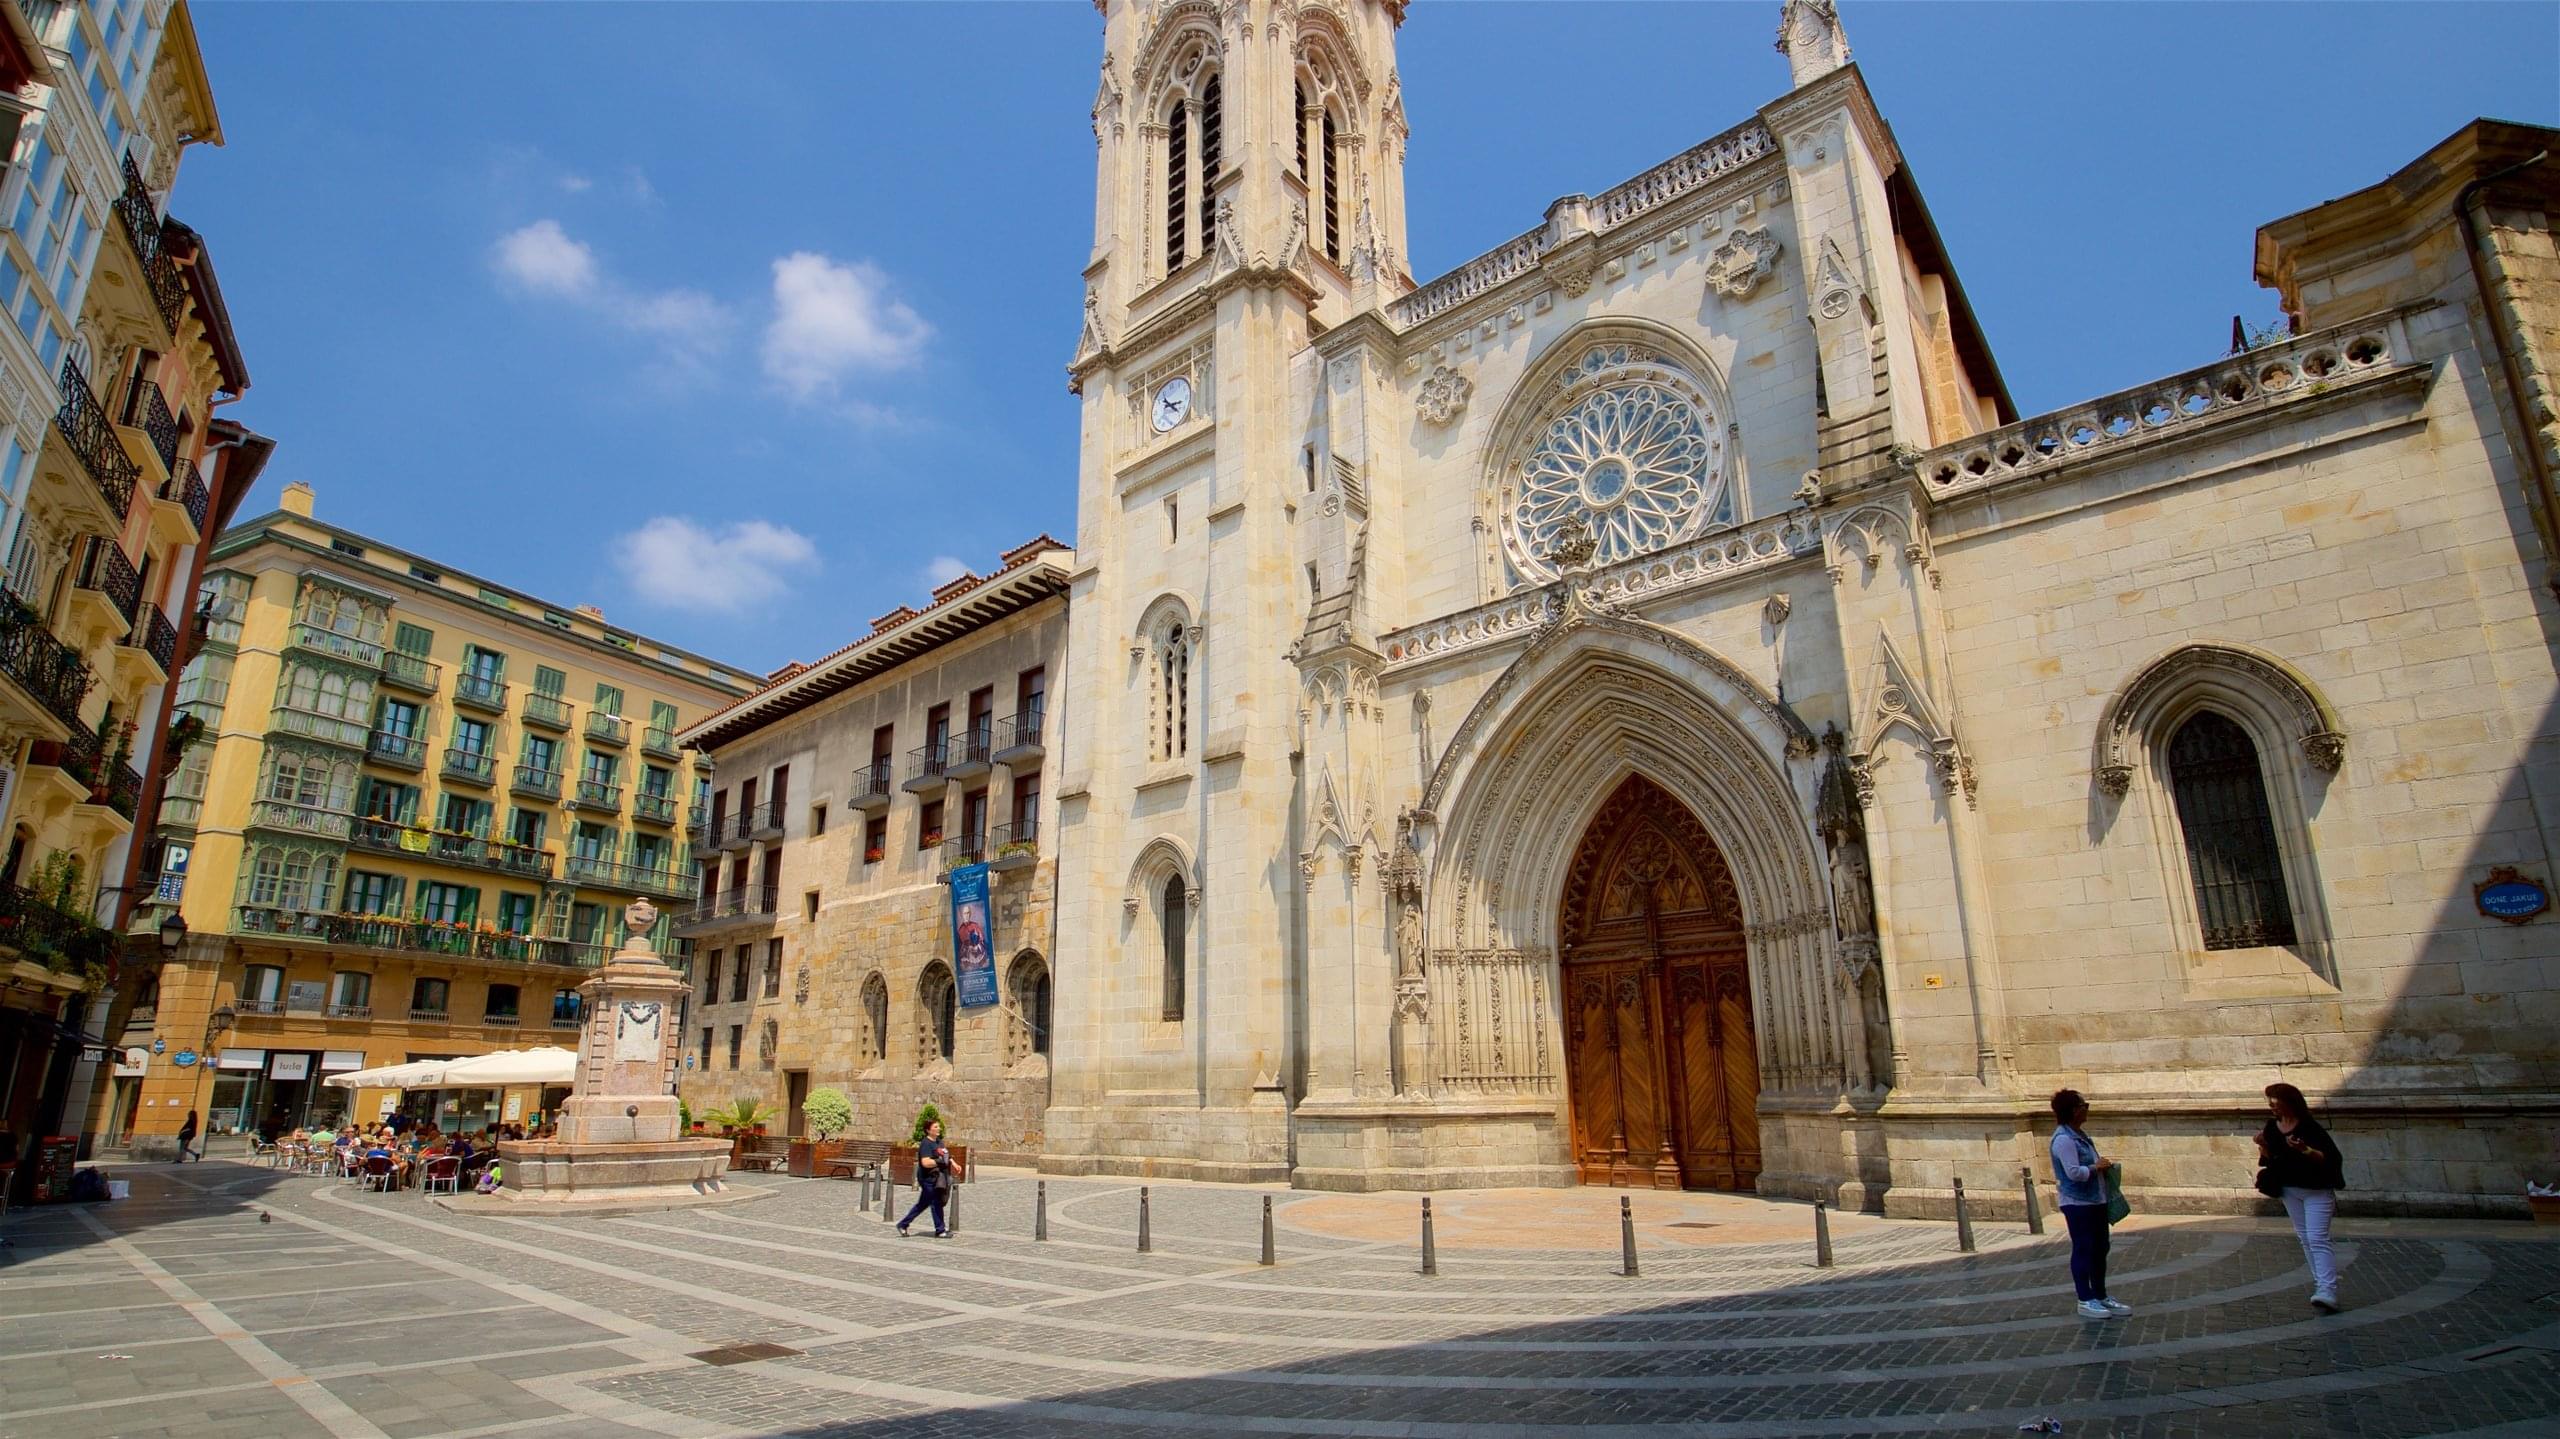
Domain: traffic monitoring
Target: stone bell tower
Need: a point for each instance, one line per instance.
(1249, 196)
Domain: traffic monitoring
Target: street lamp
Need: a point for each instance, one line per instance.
(173, 933)
(214, 1027)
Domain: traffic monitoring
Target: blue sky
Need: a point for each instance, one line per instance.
(745, 322)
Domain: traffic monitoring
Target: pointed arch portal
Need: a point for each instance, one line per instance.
(1661, 1063)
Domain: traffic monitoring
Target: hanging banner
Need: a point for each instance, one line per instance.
(973, 941)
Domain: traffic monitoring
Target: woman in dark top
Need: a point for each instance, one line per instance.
(186, 1139)
(2304, 1169)
(933, 1180)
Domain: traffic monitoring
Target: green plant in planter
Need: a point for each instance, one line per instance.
(827, 1112)
(924, 1117)
(184, 731)
(744, 1112)
(1016, 846)
(684, 1116)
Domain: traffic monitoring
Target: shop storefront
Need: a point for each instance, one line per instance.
(278, 1087)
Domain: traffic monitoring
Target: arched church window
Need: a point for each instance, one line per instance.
(1299, 116)
(1212, 123)
(1174, 920)
(1177, 174)
(1172, 699)
(937, 1014)
(2232, 857)
(1028, 983)
(1630, 456)
(1332, 193)
(875, 1019)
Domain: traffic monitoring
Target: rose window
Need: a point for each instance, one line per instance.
(1634, 461)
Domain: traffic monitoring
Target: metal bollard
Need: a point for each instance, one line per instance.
(1964, 1223)
(1269, 1254)
(1626, 1237)
(1430, 1250)
(888, 1200)
(1143, 1246)
(951, 1210)
(1821, 1235)
(1040, 1212)
(2035, 1216)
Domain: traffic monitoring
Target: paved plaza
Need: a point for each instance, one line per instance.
(225, 1301)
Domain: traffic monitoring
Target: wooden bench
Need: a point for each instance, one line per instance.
(759, 1151)
(851, 1159)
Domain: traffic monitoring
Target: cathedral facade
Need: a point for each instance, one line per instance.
(1643, 709)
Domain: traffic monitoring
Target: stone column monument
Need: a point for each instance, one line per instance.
(620, 1145)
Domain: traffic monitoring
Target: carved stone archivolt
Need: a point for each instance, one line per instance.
(2247, 680)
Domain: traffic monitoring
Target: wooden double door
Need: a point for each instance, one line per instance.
(1661, 1061)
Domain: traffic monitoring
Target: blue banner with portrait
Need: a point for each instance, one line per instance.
(973, 939)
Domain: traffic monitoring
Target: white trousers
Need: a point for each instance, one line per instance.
(2311, 1211)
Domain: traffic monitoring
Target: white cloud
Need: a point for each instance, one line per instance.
(542, 258)
(830, 320)
(673, 562)
(576, 184)
(635, 183)
(942, 570)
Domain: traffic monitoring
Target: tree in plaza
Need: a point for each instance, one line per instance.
(828, 1113)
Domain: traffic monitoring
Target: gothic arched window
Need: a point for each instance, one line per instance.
(1173, 919)
(1212, 124)
(875, 1019)
(1172, 698)
(1299, 116)
(1177, 175)
(1028, 983)
(937, 1014)
(1332, 192)
(2232, 856)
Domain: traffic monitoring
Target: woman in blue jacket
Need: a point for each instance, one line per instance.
(2079, 1178)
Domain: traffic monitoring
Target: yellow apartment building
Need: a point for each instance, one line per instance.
(422, 801)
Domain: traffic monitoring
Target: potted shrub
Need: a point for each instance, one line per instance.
(874, 855)
(827, 1113)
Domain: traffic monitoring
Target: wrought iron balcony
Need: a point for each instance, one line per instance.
(186, 489)
(471, 765)
(960, 849)
(871, 787)
(608, 729)
(418, 1015)
(659, 742)
(596, 794)
(546, 711)
(1019, 739)
(147, 410)
(144, 231)
(768, 820)
(415, 673)
(741, 905)
(606, 872)
(391, 836)
(928, 767)
(350, 1011)
(567, 1021)
(480, 692)
(694, 821)
(155, 637)
(51, 672)
(407, 751)
(451, 940)
(535, 780)
(92, 437)
(299, 818)
(653, 808)
(320, 639)
(258, 1008)
(975, 751)
(105, 571)
(1015, 846)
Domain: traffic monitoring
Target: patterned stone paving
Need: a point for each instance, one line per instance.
(343, 1313)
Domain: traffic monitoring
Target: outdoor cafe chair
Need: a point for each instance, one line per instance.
(443, 1174)
(266, 1149)
(379, 1172)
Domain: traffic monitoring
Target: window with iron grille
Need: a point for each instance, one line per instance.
(2232, 858)
(1177, 172)
(1212, 122)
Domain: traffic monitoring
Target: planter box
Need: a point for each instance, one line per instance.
(803, 1161)
(2546, 1208)
(902, 1162)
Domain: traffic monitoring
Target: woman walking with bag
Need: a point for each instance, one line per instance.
(2302, 1167)
(2080, 1184)
(187, 1140)
(933, 1180)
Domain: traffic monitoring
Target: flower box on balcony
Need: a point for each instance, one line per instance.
(874, 856)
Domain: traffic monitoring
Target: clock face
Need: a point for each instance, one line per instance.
(1173, 403)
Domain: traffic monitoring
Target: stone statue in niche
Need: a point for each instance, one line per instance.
(1841, 816)
(1409, 939)
(1852, 900)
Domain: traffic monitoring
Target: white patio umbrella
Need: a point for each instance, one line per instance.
(547, 1065)
(416, 1074)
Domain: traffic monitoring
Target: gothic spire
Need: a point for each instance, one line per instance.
(1809, 35)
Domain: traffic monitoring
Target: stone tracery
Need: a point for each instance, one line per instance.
(1630, 446)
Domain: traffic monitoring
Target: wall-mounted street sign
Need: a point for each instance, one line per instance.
(2508, 895)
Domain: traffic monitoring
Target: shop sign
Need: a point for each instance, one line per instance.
(2508, 895)
(290, 1066)
(338, 1060)
(251, 1060)
(184, 1059)
(132, 1063)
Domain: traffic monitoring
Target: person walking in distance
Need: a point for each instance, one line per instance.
(187, 1140)
(933, 1180)
(2080, 1183)
(2303, 1168)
